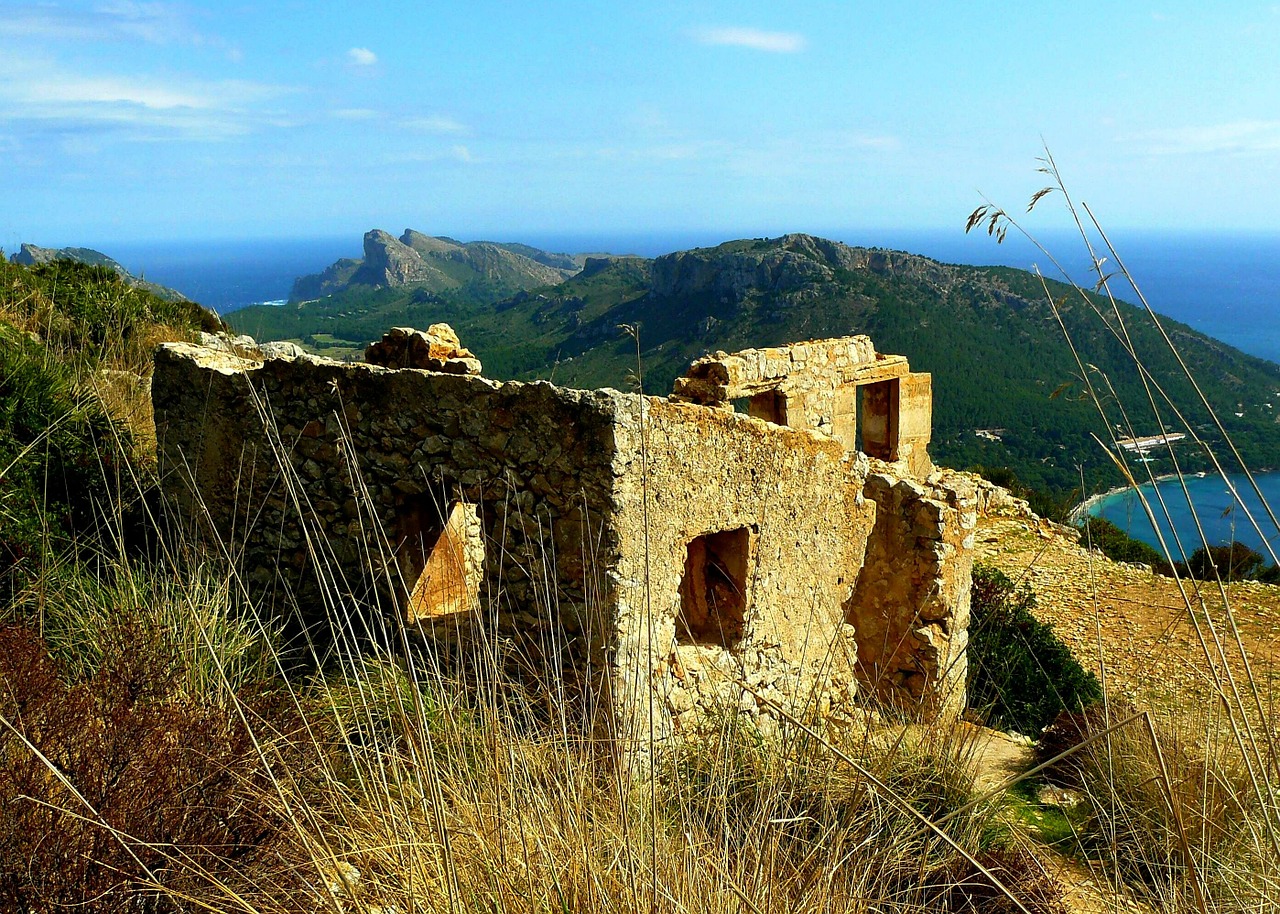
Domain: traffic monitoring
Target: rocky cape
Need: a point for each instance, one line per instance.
(438, 264)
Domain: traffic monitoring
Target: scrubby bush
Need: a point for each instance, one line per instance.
(115, 785)
(1118, 546)
(91, 312)
(1234, 562)
(1020, 674)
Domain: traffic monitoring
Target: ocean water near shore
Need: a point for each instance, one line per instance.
(1220, 514)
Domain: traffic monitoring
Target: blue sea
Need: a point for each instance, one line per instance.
(1221, 516)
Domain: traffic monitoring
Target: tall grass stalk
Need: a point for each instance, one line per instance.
(1250, 725)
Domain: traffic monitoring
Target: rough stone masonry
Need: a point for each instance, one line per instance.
(682, 558)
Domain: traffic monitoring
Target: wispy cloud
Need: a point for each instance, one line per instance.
(154, 23)
(433, 124)
(362, 57)
(755, 39)
(356, 114)
(38, 92)
(1248, 137)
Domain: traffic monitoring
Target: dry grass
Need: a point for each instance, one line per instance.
(147, 772)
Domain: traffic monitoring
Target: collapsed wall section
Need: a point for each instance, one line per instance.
(740, 544)
(408, 490)
(910, 606)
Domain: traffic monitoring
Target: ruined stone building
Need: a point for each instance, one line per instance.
(766, 537)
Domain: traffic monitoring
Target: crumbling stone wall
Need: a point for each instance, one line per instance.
(685, 561)
(911, 603)
(783, 506)
(323, 476)
(841, 387)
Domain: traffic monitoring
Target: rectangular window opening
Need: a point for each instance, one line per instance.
(878, 420)
(441, 559)
(769, 405)
(713, 591)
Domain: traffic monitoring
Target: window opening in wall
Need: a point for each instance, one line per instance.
(442, 558)
(713, 591)
(769, 405)
(878, 420)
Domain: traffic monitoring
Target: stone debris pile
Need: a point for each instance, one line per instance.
(435, 349)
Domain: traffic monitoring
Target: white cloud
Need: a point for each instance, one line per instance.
(109, 89)
(433, 124)
(755, 39)
(41, 95)
(155, 23)
(356, 114)
(1248, 137)
(362, 57)
(461, 153)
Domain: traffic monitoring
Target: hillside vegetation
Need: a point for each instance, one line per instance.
(988, 335)
(75, 346)
(154, 758)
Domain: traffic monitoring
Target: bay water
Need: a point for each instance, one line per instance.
(1221, 514)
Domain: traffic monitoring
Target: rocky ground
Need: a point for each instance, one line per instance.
(1134, 626)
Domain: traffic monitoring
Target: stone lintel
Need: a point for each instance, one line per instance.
(885, 368)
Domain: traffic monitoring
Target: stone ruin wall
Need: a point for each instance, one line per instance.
(849, 576)
(840, 387)
(378, 457)
(783, 513)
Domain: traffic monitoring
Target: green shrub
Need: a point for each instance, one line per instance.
(57, 450)
(1020, 675)
(1118, 546)
(1234, 562)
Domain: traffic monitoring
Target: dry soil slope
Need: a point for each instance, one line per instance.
(1134, 621)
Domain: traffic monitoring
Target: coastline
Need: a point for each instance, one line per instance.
(1085, 508)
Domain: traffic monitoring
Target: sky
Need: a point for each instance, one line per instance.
(133, 121)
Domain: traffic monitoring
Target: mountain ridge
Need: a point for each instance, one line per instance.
(988, 335)
(30, 255)
(437, 264)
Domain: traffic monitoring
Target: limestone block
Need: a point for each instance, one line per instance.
(435, 349)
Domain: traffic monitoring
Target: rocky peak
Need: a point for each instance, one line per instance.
(428, 244)
(31, 255)
(390, 262)
(786, 264)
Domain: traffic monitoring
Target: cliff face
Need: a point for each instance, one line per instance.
(437, 264)
(390, 262)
